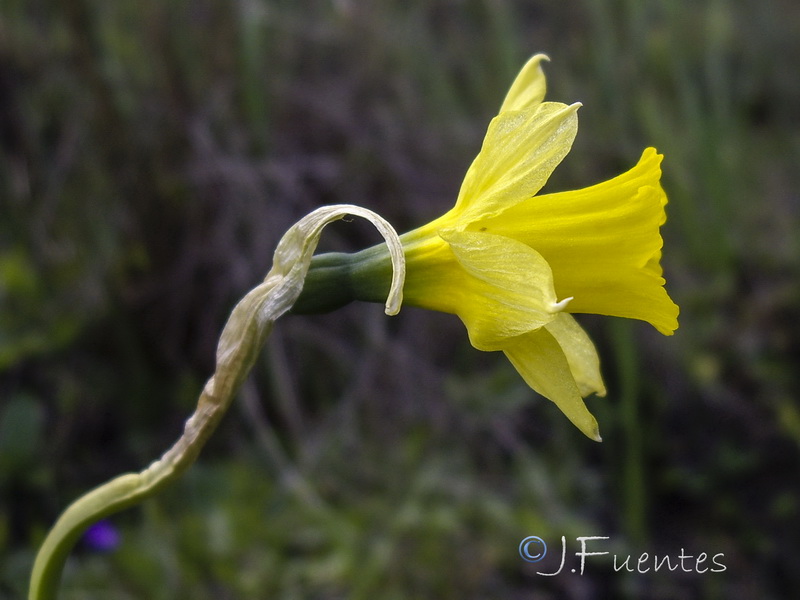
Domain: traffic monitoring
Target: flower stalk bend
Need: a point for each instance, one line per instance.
(242, 338)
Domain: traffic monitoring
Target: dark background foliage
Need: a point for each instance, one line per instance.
(151, 155)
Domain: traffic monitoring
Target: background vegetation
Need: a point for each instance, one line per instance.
(151, 154)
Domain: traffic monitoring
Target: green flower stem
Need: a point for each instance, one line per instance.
(337, 279)
(242, 338)
(247, 334)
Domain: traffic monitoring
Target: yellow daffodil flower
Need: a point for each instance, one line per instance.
(509, 263)
(512, 264)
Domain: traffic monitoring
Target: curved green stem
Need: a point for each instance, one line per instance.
(242, 338)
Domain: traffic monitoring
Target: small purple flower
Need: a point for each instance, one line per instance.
(102, 537)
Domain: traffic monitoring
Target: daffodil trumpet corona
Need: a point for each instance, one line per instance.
(513, 265)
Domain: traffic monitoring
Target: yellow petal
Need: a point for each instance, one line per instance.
(508, 289)
(520, 151)
(529, 87)
(584, 363)
(538, 357)
(602, 243)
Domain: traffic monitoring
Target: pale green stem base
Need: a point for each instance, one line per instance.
(242, 338)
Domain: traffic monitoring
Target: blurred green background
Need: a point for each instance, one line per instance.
(152, 153)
